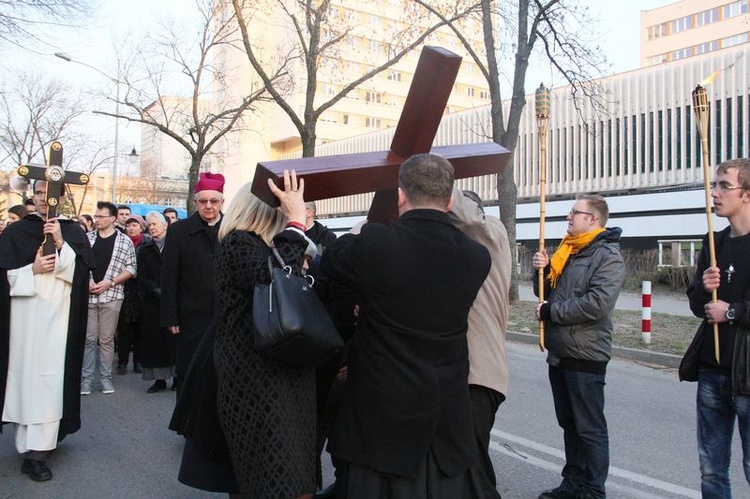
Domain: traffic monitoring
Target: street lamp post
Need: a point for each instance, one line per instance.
(67, 58)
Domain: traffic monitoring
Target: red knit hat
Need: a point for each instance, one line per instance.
(210, 182)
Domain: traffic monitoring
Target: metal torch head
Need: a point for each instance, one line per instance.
(700, 109)
(543, 97)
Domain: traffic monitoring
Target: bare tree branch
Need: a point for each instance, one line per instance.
(317, 39)
(34, 111)
(558, 24)
(21, 20)
(188, 54)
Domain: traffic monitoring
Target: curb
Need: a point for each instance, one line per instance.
(646, 356)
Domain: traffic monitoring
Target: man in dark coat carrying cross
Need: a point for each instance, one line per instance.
(43, 309)
(404, 426)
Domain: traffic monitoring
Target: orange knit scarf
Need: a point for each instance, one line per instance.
(570, 245)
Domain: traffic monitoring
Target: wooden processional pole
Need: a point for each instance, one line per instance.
(542, 117)
(700, 109)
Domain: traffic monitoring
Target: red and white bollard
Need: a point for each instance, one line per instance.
(646, 312)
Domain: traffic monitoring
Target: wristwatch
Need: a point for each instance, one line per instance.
(729, 313)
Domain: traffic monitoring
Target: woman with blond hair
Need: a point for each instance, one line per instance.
(266, 408)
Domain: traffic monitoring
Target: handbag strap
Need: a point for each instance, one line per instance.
(286, 268)
(276, 253)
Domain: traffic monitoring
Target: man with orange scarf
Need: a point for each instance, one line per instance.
(584, 278)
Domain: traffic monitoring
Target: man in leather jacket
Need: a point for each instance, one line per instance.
(583, 278)
(724, 386)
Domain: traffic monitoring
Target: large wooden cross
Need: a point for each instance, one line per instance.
(348, 174)
(55, 176)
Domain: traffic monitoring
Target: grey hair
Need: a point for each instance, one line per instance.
(158, 216)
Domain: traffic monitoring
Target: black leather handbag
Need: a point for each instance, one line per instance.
(291, 323)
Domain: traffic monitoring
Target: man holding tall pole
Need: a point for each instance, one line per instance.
(583, 278)
(724, 385)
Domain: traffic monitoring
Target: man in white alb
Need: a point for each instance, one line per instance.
(42, 327)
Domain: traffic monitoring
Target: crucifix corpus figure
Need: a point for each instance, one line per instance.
(348, 174)
(55, 176)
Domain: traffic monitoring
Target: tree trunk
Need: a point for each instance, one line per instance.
(195, 168)
(508, 138)
(308, 137)
(308, 144)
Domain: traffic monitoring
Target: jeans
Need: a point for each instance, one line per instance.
(579, 407)
(101, 328)
(716, 408)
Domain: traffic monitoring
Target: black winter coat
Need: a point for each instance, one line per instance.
(187, 283)
(158, 343)
(407, 389)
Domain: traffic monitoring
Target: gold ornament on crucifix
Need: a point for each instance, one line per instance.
(55, 176)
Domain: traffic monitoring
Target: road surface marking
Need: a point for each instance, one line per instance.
(551, 451)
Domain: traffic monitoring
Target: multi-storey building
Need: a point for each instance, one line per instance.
(371, 32)
(641, 150)
(692, 27)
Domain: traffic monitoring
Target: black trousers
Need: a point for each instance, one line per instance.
(128, 338)
(484, 404)
(328, 391)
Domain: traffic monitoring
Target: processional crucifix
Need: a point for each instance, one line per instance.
(55, 176)
(348, 174)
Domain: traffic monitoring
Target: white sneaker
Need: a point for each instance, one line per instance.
(107, 387)
(85, 388)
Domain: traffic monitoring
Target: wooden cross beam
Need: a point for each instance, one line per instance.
(348, 174)
(55, 176)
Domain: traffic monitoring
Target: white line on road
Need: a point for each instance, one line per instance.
(551, 451)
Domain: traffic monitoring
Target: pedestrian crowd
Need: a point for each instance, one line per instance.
(422, 303)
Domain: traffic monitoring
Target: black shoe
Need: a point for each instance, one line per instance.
(158, 386)
(122, 369)
(37, 470)
(326, 493)
(137, 368)
(558, 493)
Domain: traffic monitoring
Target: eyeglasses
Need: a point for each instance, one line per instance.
(204, 202)
(725, 186)
(579, 212)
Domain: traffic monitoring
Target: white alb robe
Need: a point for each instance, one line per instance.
(39, 311)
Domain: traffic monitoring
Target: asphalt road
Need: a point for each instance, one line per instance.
(651, 417)
(125, 450)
